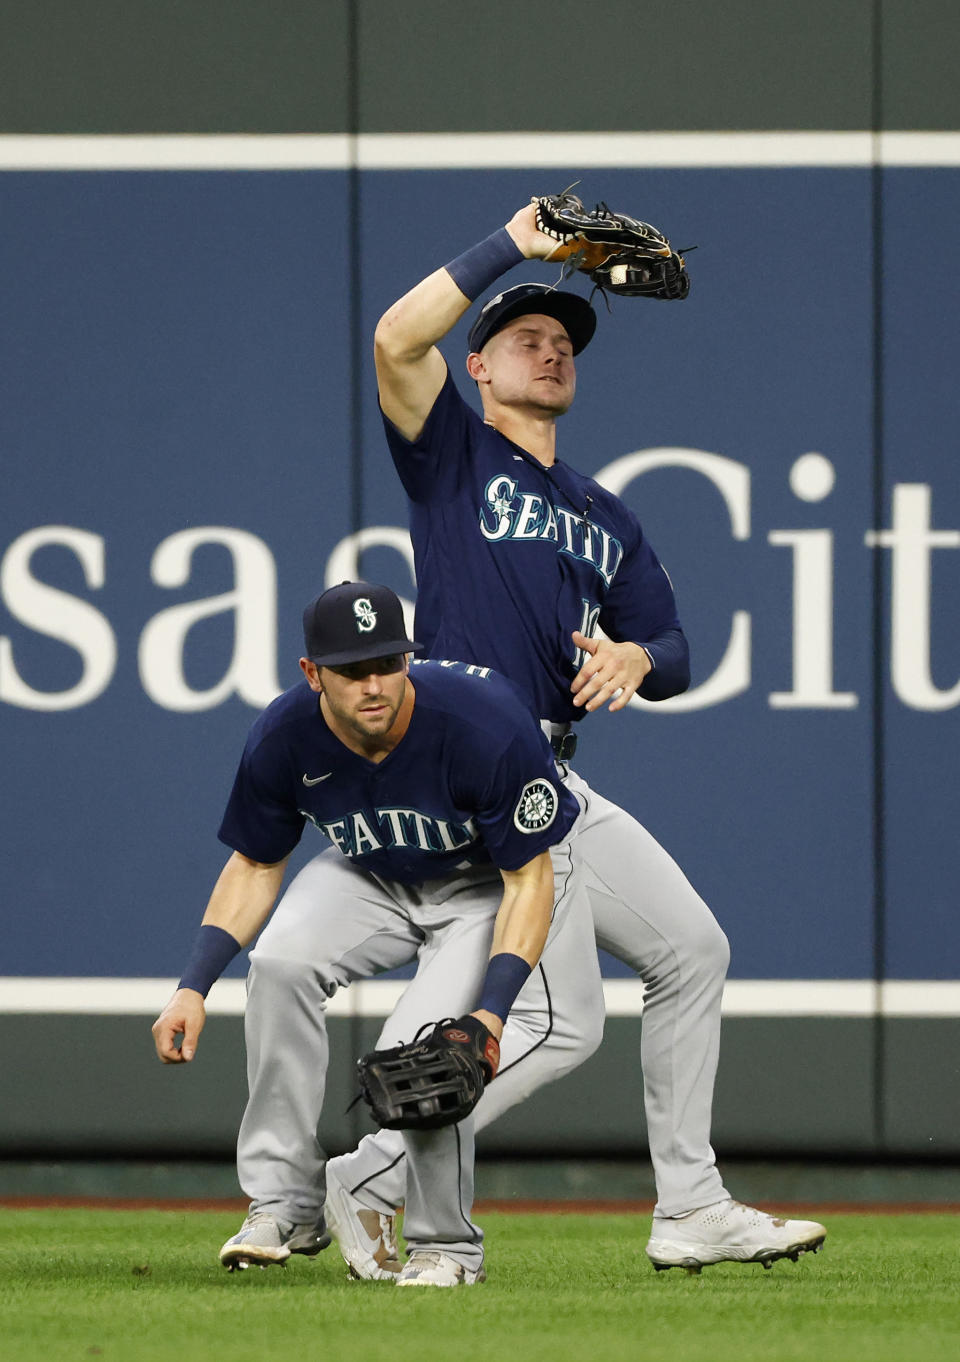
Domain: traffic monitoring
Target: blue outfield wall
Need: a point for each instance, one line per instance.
(188, 457)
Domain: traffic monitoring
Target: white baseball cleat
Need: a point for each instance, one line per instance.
(729, 1232)
(424, 1267)
(264, 1239)
(366, 1239)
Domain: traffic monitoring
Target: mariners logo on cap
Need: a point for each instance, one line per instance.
(537, 807)
(366, 615)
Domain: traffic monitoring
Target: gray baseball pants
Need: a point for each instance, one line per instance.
(336, 924)
(646, 913)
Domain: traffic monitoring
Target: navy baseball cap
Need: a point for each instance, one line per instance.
(355, 622)
(572, 311)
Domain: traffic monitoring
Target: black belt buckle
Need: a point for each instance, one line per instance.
(564, 746)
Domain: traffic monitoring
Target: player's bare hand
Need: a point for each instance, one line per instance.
(182, 1019)
(611, 672)
(490, 1020)
(536, 245)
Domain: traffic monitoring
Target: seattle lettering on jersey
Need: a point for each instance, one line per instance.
(530, 516)
(354, 836)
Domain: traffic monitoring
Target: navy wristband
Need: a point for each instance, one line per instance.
(212, 952)
(477, 268)
(506, 976)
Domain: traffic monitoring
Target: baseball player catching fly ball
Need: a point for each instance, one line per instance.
(518, 559)
(451, 832)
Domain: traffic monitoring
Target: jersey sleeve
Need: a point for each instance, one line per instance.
(260, 821)
(431, 466)
(640, 608)
(522, 808)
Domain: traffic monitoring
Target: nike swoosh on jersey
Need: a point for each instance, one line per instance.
(315, 780)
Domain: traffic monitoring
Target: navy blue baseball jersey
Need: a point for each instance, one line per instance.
(472, 780)
(511, 557)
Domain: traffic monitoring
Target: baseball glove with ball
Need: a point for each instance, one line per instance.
(434, 1081)
(621, 254)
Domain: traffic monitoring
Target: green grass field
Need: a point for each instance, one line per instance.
(145, 1286)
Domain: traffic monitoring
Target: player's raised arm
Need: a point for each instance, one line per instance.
(410, 369)
(240, 904)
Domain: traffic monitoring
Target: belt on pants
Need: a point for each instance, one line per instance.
(562, 739)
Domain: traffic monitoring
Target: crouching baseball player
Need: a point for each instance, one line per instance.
(452, 847)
